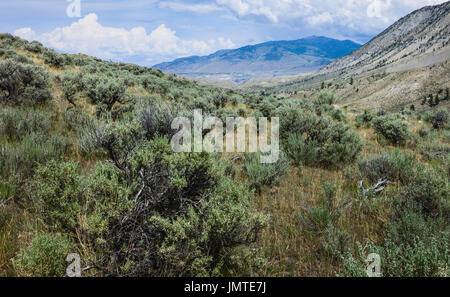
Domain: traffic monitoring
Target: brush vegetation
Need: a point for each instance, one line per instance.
(86, 167)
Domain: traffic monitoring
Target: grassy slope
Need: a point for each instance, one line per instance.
(291, 250)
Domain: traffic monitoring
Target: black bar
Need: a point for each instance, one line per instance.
(150, 287)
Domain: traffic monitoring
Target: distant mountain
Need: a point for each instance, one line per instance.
(419, 39)
(274, 58)
(396, 69)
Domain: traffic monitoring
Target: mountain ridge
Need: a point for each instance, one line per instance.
(271, 58)
(424, 31)
(396, 69)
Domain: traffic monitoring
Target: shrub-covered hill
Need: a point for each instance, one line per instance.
(86, 167)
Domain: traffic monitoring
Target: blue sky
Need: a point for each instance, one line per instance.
(150, 31)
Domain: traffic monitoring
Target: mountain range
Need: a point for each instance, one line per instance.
(408, 61)
(274, 58)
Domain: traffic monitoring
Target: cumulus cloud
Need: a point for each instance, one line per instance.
(366, 15)
(198, 8)
(350, 19)
(322, 18)
(26, 33)
(377, 8)
(88, 36)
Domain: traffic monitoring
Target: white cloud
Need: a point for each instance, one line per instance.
(225, 43)
(355, 19)
(198, 8)
(26, 33)
(364, 15)
(322, 18)
(88, 36)
(274, 11)
(377, 8)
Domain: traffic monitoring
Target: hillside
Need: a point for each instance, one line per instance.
(397, 68)
(275, 58)
(411, 40)
(87, 167)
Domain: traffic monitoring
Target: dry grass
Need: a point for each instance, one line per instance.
(295, 251)
(291, 248)
(285, 242)
(17, 228)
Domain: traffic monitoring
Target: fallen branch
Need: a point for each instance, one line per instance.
(378, 187)
(3, 204)
(234, 158)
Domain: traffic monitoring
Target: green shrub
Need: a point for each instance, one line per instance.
(325, 98)
(435, 150)
(104, 91)
(365, 119)
(202, 103)
(219, 100)
(324, 216)
(429, 189)
(224, 113)
(107, 195)
(302, 151)
(212, 237)
(342, 146)
(55, 192)
(445, 134)
(338, 115)
(440, 119)
(298, 121)
(267, 107)
(242, 112)
(128, 79)
(260, 175)
(53, 58)
(318, 140)
(155, 84)
(80, 60)
(20, 58)
(7, 190)
(44, 257)
(9, 239)
(21, 83)
(182, 176)
(394, 166)
(21, 158)
(185, 210)
(317, 218)
(423, 133)
(392, 129)
(413, 247)
(34, 47)
(156, 119)
(115, 140)
(235, 99)
(16, 123)
(335, 241)
(71, 84)
(257, 114)
(76, 120)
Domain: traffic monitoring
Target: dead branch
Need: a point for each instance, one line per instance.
(3, 204)
(378, 187)
(236, 157)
